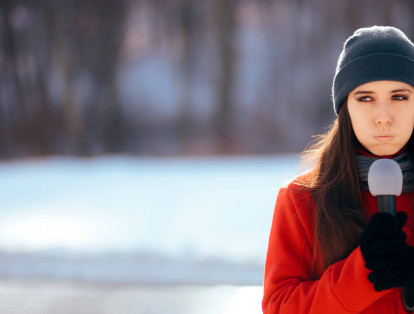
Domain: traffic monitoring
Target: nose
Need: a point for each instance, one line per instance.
(383, 116)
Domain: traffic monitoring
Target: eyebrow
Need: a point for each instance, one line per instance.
(393, 91)
(401, 90)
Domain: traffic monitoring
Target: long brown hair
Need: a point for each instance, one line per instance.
(334, 186)
(335, 190)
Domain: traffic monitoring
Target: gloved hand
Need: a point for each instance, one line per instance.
(408, 297)
(383, 234)
(400, 271)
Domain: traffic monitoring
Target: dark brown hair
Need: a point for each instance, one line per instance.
(335, 190)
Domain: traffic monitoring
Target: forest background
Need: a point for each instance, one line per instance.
(177, 77)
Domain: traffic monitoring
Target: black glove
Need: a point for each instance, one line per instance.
(383, 234)
(385, 252)
(408, 297)
(400, 271)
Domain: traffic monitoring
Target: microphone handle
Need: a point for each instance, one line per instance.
(386, 204)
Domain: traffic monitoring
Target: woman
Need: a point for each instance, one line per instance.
(329, 250)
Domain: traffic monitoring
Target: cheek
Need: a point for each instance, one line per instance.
(406, 127)
(408, 121)
(359, 127)
(359, 118)
(409, 130)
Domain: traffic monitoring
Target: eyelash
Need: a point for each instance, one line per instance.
(401, 97)
(404, 97)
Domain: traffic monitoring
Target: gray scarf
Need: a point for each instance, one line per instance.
(364, 162)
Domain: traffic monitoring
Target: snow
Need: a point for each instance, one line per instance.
(128, 219)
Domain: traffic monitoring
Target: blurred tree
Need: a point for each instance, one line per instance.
(70, 45)
(189, 27)
(226, 24)
(31, 122)
(88, 38)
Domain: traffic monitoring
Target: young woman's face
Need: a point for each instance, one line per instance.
(382, 115)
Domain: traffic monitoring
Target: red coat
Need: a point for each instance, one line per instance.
(344, 285)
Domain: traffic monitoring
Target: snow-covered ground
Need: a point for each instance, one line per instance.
(21, 297)
(121, 219)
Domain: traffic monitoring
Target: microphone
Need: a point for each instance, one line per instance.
(385, 181)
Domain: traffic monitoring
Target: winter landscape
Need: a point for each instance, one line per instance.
(153, 235)
(143, 143)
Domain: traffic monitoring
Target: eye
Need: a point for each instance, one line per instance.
(364, 98)
(399, 97)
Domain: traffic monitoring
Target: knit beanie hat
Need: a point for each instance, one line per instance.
(377, 53)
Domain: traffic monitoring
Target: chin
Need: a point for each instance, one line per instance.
(385, 152)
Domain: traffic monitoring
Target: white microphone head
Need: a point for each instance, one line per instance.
(385, 177)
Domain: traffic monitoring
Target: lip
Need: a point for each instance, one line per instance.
(384, 138)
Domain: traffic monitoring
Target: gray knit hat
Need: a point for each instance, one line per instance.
(377, 53)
